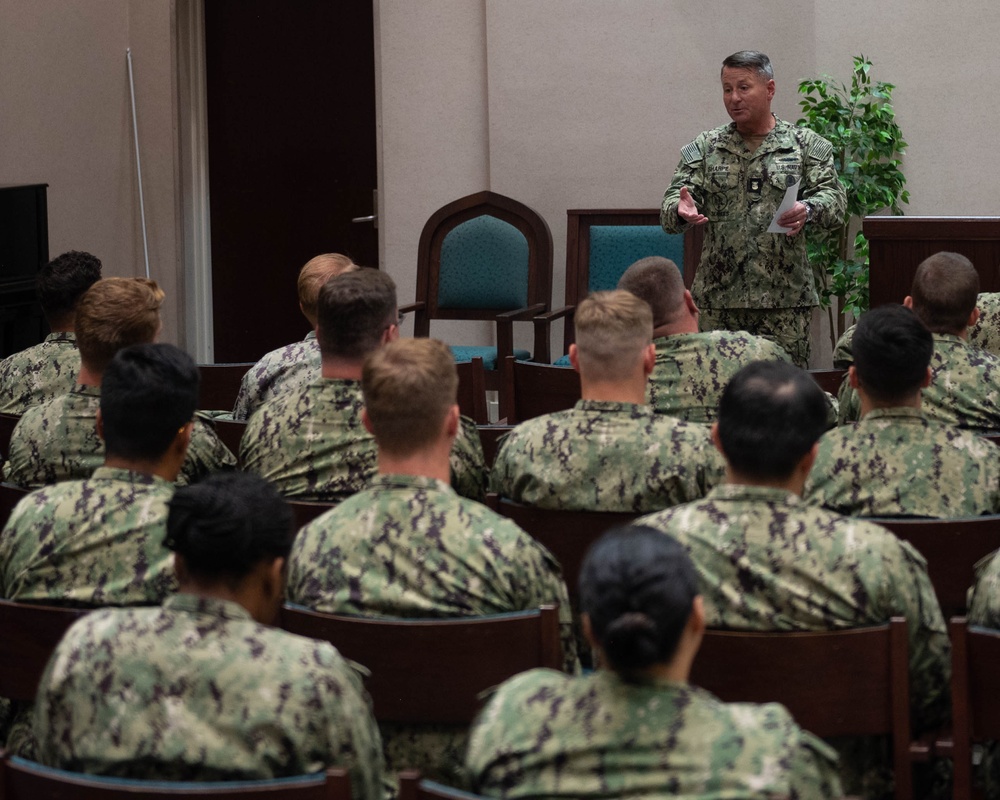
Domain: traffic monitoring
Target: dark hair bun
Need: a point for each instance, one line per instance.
(632, 641)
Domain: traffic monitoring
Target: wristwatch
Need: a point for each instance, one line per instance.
(809, 211)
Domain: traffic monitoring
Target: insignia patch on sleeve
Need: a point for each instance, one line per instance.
(690, 153)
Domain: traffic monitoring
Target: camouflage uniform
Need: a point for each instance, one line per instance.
(895, 462)
(986, 332)
(312, 445)
(545, 734)
(39, 373)
(743, 266)
(197, 690)
(605, 456)
(286, 369)
(58, 441)
(767, 561)
(411, 547)
(964, 390)
(692, 369)
(984, 611)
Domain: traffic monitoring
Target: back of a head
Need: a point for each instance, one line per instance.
(612, 331)
(658, 282)
(892, 349)
(149, 391)
(227, 524)
(637, 586)
(353, 311)
(115, 313)
(944, 291)
(62, 282)
(314, 274)
(408, 387)
(770, 415)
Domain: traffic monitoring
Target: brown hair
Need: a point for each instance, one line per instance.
(314, 274)
(944, 292)
(354, 309)
(612, 330)
(408, 387)
(658, 282)
(114, 313)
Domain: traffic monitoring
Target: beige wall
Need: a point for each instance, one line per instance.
(67, 122)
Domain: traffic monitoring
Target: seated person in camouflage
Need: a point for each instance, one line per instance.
(692, 368)
(766, 560)
(655, 734)
(203, 688)
(965, 380)
(49, 369)
(310, 442)
(58, 440)
(896, 461)
(609, 452)
(409, 546)
(297, 364)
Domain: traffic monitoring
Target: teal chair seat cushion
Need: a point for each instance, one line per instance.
(562, 362)
(487, 354)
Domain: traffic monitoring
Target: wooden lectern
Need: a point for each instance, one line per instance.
(898, 244)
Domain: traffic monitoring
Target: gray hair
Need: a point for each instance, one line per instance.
(750, 59)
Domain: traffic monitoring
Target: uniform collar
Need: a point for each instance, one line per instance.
(208, 606)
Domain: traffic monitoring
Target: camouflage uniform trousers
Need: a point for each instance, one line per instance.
(786, 327)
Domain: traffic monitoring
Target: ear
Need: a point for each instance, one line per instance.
(696, 622)
(908, 302)
(973, 318)
(806, 464)
(692, 307)
(927, 379)
(852, 377)
(274, 578)
(367, 421)
(182, 439)
(770, 89)
(588, 631)
(716, 440)
(649, 359)
(574, 358)
(100, 425)
(452, 421)
(180, 568)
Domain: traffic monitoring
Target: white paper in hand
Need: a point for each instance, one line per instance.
(789, 200)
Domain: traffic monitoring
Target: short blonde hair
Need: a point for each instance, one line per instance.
(114, 313)
(314, 274)
(408, 387)
(612, 331)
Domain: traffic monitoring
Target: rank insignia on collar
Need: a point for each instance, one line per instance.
(753, 185)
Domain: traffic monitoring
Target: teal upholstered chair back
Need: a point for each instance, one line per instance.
(613, 248)
(484, 264)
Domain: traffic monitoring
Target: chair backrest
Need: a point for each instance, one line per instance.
(7, 423)
(411, 787)
(472, 390)
(479, 255)
(829, 380)
(530, 390)
(29, 633)
(305, 511)
(568, 535)
(230, 431)
(835, 683)
(952, 547)
(433, 670)
(489, 437)
(25, 780)
(10, 496)
(220, 383)
(975, 701)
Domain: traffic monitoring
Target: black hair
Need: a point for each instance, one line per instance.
(353, 310)
(63, 281)
(638, 586)
(148, 392)
(770, 415)
(892, 349)
(225, 525)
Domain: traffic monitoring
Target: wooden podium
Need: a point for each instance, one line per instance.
(898, 244)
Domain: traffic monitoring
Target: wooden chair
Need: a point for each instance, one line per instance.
(220, 383)
(568, 535)
(829, 380)
(433, 670)
(975, 701)
(484, 257)
(952, 547)
(29, 634)
(835, 683)
(472, 390)
(10, 496)
(411, 787)
(231, 432)
(7, 424)
(602, 243)
(25, 780)
(530, 390)
(305, 511)
(489, 437)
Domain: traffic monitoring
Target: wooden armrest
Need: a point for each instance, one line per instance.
(414, 306)
(505, 328)
(554, 314)
(528, 312)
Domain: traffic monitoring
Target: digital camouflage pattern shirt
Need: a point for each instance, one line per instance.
(93, 542)
(197, 690)
(312, 445)
(606, 456)
(39, 373)
(896, 462)
(411, 547)
(986, 332)
(58, 441)
(742, 265)
(692, 369)
(286, 369)
(545, 734)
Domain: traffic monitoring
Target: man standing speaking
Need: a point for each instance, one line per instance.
(734, 178)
